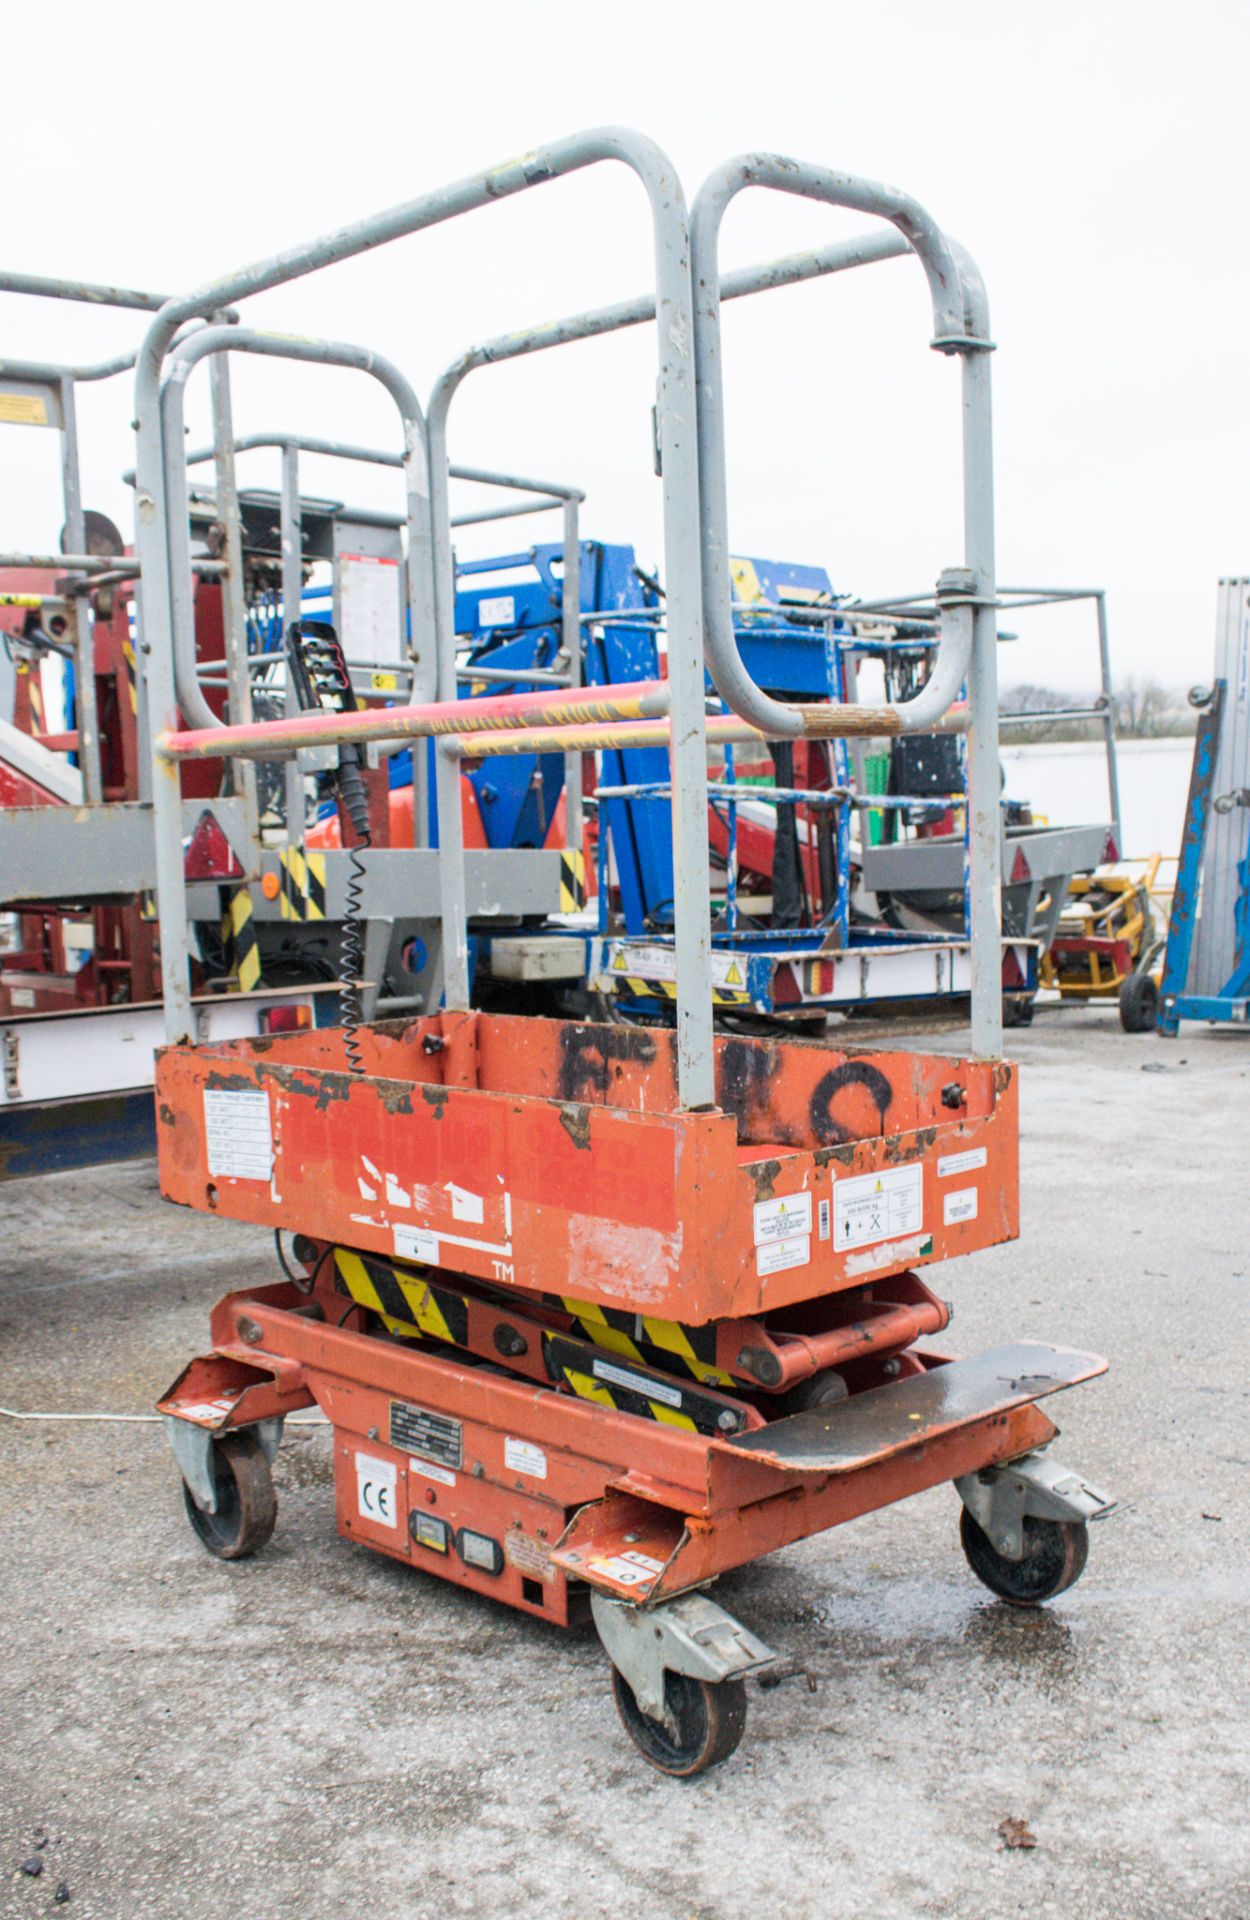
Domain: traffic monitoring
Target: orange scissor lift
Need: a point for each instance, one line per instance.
(599, 1312)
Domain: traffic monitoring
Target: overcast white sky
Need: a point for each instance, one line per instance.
(1091, 156)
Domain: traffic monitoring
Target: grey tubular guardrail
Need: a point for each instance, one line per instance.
(551, 494)
(965, 595)
(676, 401)
(691, 920)
(64, 379)
(215, 340)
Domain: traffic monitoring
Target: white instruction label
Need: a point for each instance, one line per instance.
(375, 1490)
(238, 1134)
(780, 1254)
(879, 1206)
(621, 1568)
(522, 1456)
(649, 1389)
(782, 1219)
(959, 1206)
(428, 1471)
(371, 614)
(499, 612)
(960, 1162)
(414, 1243)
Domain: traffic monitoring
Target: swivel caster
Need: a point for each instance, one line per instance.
(707, 1723)
(246, 1504)
(1023, 1527)
(1055, 1552)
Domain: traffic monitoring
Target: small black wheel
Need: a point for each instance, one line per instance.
(1139, 1003)
(247, 1506)
(710, 1720)
(1017, 1010)
(1055, 1552)
(823, 1389)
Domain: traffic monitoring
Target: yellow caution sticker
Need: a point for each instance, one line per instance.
(24, 410)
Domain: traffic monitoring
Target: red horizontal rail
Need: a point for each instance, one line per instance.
(257, 739)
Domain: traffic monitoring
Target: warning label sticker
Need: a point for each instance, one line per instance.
(782, 1219)
(522, 1456)
(780, 1254)
(528, 1556)
(966, 1162)
(24, 410)
(879, 1206)
(958, 1206)
(238, 1134)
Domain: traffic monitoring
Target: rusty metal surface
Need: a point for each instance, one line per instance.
(575, 1489)
(551, 1156)
(888, 1420)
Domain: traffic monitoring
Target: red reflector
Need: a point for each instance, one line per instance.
(1111, 852)
(1019, 867)
(785, 988)
(820, 977)
(285, 1019)
(209, 854)
(1012, 974)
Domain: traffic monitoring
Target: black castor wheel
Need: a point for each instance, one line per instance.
(247, 1506)
(1139, 1003)
(710, 1720)
(1055, 1552)
(1017, 1010)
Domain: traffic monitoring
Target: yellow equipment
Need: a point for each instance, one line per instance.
(1110, 939)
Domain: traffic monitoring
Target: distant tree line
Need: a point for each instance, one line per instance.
(1144, 710)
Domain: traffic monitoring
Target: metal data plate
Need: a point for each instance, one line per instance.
(430, 1436)
(870, 1426)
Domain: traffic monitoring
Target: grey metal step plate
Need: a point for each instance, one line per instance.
(885, 1420)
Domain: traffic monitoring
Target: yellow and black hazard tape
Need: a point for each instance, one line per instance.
(637, 1389)
(638, 988)
(238, 937)
(132, 687)
(651, 1342)
(572, 881)
(412, 1306)
(302, 879)
(407, 1302)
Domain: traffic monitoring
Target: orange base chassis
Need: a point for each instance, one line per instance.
(540, 1173)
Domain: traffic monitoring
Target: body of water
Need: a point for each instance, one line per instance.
(1067, 782)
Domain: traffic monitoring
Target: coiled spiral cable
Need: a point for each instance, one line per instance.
(352, 944)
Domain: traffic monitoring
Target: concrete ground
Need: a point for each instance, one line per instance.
(322, 1732)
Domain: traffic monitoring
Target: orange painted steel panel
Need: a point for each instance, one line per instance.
(567, 1487)
(736, 1532)
(550, 1156)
